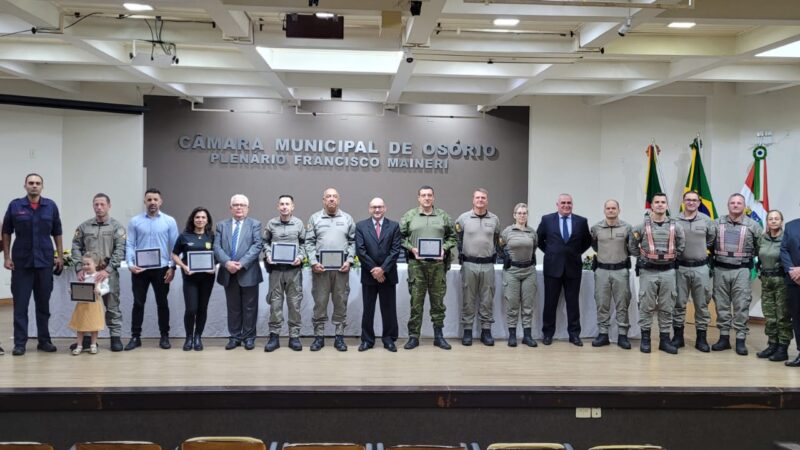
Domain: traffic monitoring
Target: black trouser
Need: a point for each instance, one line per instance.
(388, 296)
(196, 293)
(242, 309)
(139, 285)
(38, 281)
(552, 293)
(793, 300)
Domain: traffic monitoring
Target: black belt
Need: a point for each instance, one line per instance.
(700, 263)
(616, 266)
(747, 265)
(656, 267)
(474, 260)
(771, 273)
(523, 264)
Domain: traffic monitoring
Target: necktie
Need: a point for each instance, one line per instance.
(564, 229)
(235, 239)
(378, 229)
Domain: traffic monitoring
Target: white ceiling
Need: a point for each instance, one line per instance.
(237, 49)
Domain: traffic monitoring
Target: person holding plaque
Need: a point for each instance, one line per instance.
(237, 246)
(330, 246)
(284, 251)
(36, 224)
(151, 237)
(428, 235)
(378, 246)
(193, 253)
(518, 247)
(478, 231)
(87, 318)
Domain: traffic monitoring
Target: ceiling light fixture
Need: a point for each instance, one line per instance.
(625, 28)
(137, 7)
(507, 22)
(791, 50)
(681, 25)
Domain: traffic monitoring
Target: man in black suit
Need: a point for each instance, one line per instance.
(378, 246)
(563, 237)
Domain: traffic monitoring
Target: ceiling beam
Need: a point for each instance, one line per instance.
(400, 79)
(270, 77)
(37, 13)
(419, 28)
(232, 22)
(28, 71)
(518, 86)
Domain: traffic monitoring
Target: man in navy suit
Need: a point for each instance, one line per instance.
(790, 259)
(563, 237)
(378, 246)
(237, 245)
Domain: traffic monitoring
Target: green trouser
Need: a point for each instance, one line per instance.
(519, 290)
(426, 277)
(477, 282)
(289, 282)
(732, 296)
(111, 300)
(330, 284)
(656, 294)
(608, 286)
(694, 281)
(778, 327)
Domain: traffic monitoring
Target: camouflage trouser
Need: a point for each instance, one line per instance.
(778, 327)
(477, 282)
(519, 289)
(610, 285)
(111, 300)
(289, 282)
(330, 284)
(656, 294)
(697, 282)
(426, 277)
(732, 296)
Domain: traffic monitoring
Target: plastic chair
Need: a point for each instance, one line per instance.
(628, 447)
(25, 446)
(529, 446)
(116, 445)
(223, 443)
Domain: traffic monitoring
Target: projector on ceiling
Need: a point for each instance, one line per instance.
(149, 54)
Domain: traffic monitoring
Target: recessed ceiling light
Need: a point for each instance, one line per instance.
(682, 25)
(505, 22)
(325, 15)
(137, 7)
(791, 50)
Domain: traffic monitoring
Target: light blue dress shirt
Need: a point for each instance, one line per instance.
(160, 231)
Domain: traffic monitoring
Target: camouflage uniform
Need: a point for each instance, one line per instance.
(285, 279)
(477, 247)
(612, 275)
(778, 327)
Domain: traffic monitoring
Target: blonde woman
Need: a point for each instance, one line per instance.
(518, 246)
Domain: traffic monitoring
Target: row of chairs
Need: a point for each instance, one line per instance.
(247, 443)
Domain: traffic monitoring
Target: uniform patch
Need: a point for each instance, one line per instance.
(636, 235)
(458, 228)
(77, 233)
(308, 226)
(208, 245)
(501, 241)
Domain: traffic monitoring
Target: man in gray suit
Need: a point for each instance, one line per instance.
(237, 245)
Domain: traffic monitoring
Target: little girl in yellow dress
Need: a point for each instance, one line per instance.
(89, 317)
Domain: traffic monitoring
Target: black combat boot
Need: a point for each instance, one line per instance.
(188, 343)
(273, 343)
(467, 338)
(665, 344)
(677, 339)
(413, 342)
(512, 337)
(781, 354)
(438, 339)
(741, 349)
(644, 346)
(724, 343)
(486, 337)
(623, 342)
(319, 342)
(769, 351)
(116, 344)
(701, 343)
(527, 337)
(601, 340)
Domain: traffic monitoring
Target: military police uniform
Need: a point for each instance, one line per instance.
(778, 326)
(657, 246)
(518, 247)
(477, 246)
(611, 279)
(107, 239)
(285, 279)
(694, 278)
(330, 232)
(427, 276)
(734, 249)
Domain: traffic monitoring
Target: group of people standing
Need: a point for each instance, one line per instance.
(675, 257)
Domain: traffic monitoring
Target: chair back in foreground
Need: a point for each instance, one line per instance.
(529, 446)
(628, 447)
(426, 447)
(25, 446)
(322, 446)
(223, 443)
(116, 445)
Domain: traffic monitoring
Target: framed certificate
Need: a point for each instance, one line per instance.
(284, 253)
(429, 247)
(148, 258)
(202, 261)
(81, 291)
(331, 259)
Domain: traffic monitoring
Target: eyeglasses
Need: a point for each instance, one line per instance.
(239, 205)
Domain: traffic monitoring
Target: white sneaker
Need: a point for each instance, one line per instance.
(77, 350)
(93, 349)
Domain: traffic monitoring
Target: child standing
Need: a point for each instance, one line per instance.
(88, 317)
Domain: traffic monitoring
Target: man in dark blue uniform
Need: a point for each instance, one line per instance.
(33, 220)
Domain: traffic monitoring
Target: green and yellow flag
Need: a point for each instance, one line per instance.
(697, 181)
(652, 183)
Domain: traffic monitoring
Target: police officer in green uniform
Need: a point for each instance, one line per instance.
(694, 275)
(734, 249)
(518, 246)
(657, 243)
(778, 327)
(610, 238)
(478, 231)
(103, 235)
(285, 278)
(427, 275)
(330, 229)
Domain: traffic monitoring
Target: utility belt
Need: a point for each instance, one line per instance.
(772, 273)
(699, 263)
(616, 266)
(744, 265)
(645, 265)
(475, 260)
(522, 264)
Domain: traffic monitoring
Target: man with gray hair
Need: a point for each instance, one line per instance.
(237, 246)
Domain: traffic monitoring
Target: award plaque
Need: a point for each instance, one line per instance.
(201, 261)
(284, 253)
(429, 248)
(331, 259)
(80, 291)
(148, 258)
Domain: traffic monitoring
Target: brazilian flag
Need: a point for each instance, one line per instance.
(697, 181)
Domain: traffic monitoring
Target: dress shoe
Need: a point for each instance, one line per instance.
(486, 338)
(364, 346)
(512, 337)
(87, 341)
(601, 340)
(46, 346)
(133, 343)
(412, 343)
(466, 340)
(164, 342)
(439, 340)
(232, 344)
(249, 343)
(623, 342)
(116, 344)
(338, 343)
(273, 343)
(677, 337)
(2, 352)
(701, 343)
(318, 343)
(188, 343)
(197, 345)
(547, 340)
(390, 346)
(527, 337)
(665, 344)
(724, 343)
(294, 344)
(575, 340)
(644, 345)
(18, 350)
(793, 363)
(781, 354)
(769, 351)
(741, 349)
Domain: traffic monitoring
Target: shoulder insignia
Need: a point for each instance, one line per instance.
(501, 241)
(636, 235)
(309, 226)
(77, 233)
(458, 228)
